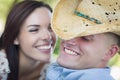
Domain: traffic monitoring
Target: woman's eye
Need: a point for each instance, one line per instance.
(33, 30)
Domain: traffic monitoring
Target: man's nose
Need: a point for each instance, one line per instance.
(72, 41)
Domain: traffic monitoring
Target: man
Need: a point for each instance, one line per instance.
(90, 30)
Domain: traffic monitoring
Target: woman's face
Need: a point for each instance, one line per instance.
(36, 39)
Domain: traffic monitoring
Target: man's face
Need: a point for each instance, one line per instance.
(84, 52)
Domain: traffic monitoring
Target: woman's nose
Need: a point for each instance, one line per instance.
(45, 34)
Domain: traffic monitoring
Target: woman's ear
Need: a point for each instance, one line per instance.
(111, 52)
(16, 42)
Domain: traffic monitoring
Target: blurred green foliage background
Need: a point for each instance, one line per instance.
(5, 6)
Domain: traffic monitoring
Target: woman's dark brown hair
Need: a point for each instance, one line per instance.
(15, 19)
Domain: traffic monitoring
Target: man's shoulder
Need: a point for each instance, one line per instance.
(90, 74)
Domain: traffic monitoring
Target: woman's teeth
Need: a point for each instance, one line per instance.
(70, 52)
(45, 47)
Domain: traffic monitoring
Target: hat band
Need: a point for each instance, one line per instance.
(87, 17)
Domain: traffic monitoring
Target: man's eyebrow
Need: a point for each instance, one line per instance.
(89, 36)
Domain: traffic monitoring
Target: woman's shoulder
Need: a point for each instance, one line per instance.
(43, 72)
(4, 66)
(2, 53)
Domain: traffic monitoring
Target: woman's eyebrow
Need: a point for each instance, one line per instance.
(35, 25)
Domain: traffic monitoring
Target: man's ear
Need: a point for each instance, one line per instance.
(111, 52)
(16, 42)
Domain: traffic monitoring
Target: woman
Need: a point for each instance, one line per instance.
(26, 42)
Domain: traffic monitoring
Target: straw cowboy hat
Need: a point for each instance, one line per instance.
(74, 18)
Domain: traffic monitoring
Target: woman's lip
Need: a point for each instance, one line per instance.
(44, 48)
(43, 45)
(47, 51)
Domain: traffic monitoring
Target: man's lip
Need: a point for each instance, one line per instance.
(71, 51)
(65, 45)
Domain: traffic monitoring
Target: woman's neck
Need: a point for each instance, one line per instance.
(28, 68)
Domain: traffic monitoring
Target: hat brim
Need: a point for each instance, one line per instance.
(67, 25)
